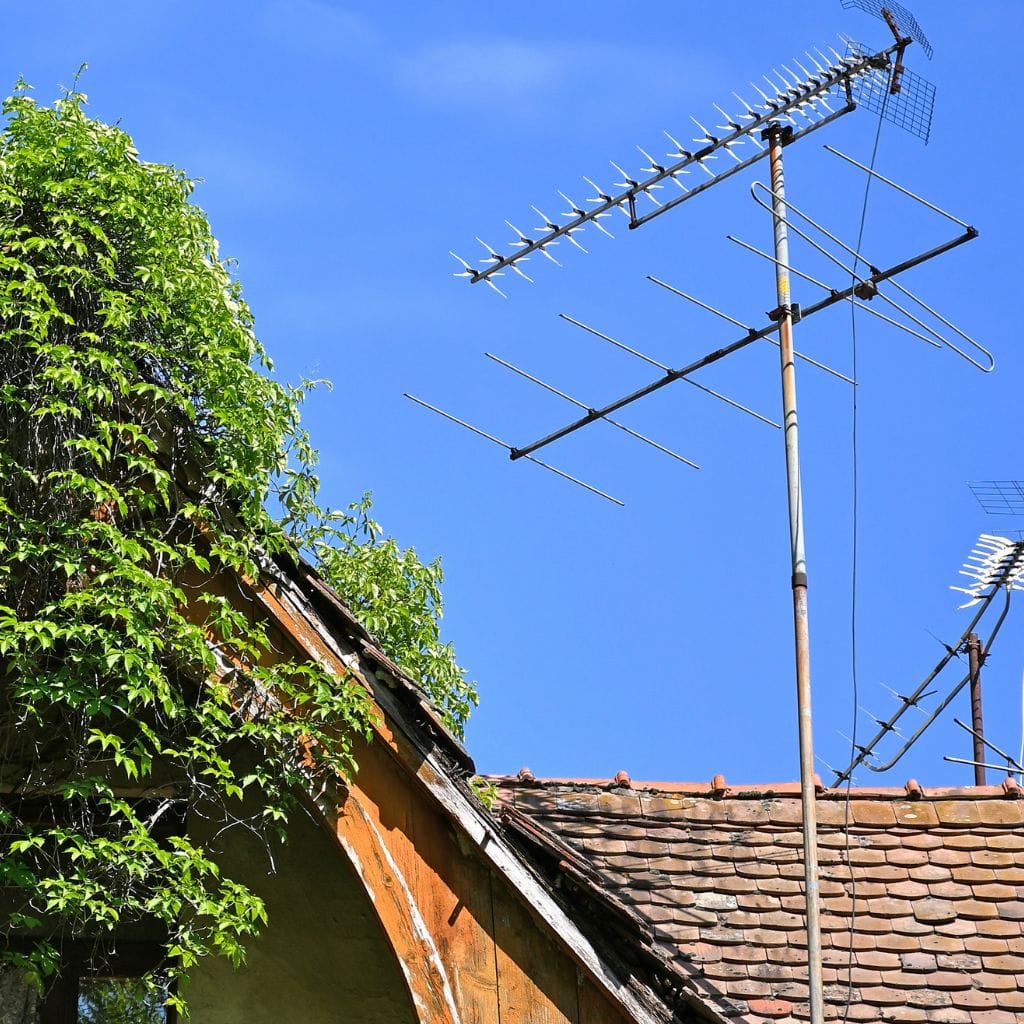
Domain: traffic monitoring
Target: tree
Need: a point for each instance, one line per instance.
(398, 599)
(143, 441)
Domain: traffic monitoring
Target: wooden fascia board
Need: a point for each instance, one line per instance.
(290, 608)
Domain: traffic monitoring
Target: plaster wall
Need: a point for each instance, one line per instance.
(322, 959)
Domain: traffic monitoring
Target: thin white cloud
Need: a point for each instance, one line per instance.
(473, 71)
(478, 71)
(317, 29)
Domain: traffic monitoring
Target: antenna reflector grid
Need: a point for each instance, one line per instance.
(1000, 497)
(906, 22)
(910, 109)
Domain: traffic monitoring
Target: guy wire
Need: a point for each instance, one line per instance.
(853, 571)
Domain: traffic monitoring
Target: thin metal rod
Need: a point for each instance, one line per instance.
(509, 448)
(969, 233)
(455, 419)
(808, 793)
(581, 405)
(1010, 759)
(850, 270)
(576, 480)
(978, 726)
(898, 187)
(953, 327)
(983, 764)
(617, 344)
(667, 369)
(713, 357)
(697, 302)
(849, 298)
(747, 327)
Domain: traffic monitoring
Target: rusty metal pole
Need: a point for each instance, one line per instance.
(775, 135)
(974, 663)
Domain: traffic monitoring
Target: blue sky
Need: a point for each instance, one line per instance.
(345, 148)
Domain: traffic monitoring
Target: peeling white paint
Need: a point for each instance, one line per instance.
(419, 925)
(358, 865)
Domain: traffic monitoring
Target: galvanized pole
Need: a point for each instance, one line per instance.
(974, 664)
(775, 135)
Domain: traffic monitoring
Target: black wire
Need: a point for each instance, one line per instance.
(853, 573)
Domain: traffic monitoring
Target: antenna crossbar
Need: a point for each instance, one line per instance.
(671, 376)
(969, 231)
(827, 287)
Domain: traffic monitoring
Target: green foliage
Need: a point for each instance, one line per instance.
(142, 440)
(486, 791)
(398, 599)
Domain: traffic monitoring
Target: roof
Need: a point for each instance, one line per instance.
(408, 728)
(922, 890)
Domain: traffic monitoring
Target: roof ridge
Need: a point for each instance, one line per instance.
(1009, 788)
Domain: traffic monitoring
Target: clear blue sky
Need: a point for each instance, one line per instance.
(345, 148)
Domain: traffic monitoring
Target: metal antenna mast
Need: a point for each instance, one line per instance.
(798, 580)
(796, 107)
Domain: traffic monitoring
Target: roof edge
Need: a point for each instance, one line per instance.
(718, 788)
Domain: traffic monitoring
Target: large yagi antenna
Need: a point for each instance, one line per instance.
(816, 98)
(805, 100)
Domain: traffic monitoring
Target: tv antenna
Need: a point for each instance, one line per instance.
(797, 103)
(1000, 498)
(995, 566)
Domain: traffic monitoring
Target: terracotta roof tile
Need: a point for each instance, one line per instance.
(979, 944)
(1011, 911)
(948, 1015)
(968, 998)
(932, 872)
(929, 998)
(941, 943)
(774, 1008)
(917, 812)
(922, 899)
(903, 943)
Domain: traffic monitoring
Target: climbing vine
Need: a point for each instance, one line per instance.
(143, 441)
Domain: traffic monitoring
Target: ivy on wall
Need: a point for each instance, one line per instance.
(142, 442)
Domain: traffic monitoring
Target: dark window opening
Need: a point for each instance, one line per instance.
(113, 990)
(120, 1000)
